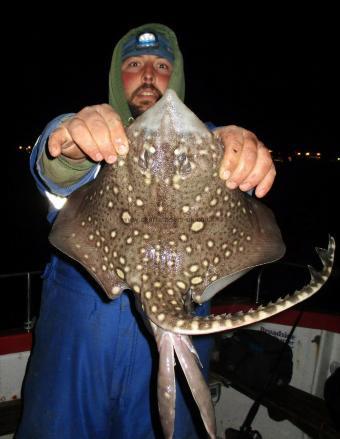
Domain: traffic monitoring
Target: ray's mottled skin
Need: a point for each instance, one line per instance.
(162, 223)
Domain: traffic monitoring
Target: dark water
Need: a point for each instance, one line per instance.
(304, 198)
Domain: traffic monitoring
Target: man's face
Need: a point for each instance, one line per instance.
(145, 79)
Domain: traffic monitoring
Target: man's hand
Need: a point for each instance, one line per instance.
(95, 132)
(247, 163)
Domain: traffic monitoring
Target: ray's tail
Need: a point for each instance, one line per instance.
(215, 323)
(173, 337)
(168, 344)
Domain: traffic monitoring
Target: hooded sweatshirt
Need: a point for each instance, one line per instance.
(66, 172)
(116, 90)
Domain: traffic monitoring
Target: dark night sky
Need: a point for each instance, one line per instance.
(277, 77)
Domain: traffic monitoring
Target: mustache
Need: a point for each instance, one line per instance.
(146, 87)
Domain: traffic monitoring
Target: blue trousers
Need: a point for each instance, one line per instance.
(92, 373)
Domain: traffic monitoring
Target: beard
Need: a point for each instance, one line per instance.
(137, 110)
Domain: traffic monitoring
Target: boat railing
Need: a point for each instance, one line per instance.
(29, 320)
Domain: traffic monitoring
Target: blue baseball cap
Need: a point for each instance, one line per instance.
(148, 43)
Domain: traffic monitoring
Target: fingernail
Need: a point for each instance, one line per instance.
(245, 186)
(226, 174)
(111, 159)
(231, 184)
(259, 192)
(122, 149)
(99, 157)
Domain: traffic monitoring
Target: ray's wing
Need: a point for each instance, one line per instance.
(78, 233)
(246, 238)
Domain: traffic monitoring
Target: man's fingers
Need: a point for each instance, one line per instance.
(258, 169)
(263, 188)
(96, 131)
(58, 138)
(230, 159)
(240, 155)
(83, 139)
(247, 163)
(116, 129)
(93, 135)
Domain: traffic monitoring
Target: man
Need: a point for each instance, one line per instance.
(91, 369)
